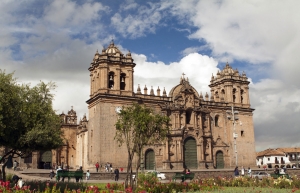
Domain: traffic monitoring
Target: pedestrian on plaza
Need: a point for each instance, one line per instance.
(249, 171)
(243, 171)
(88, 175)
(236, 171)
(97, 166)
(116, 174)
(78, 170)
(15, 165)
(52, 174)
(110, 166)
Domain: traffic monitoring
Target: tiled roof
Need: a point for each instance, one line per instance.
(270, 152)
(278, 151)
(290, 149)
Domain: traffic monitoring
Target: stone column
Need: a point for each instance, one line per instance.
(117, 79)
(35, 159)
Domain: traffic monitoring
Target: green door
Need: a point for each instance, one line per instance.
(219, 160)
(190, 153)
(46, 156)
(149, 160)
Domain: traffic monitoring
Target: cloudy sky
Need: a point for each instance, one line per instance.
(56, 40)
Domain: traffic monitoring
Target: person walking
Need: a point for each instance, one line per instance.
(116, 174)
(52, 174)
(88, 175)
(249, 171)
(97, 166)
(243, 171)
(236, 171)
(15, 165)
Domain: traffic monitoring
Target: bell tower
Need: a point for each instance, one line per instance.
(111, 72)
(231, 87)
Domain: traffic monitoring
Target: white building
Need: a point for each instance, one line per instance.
(281, 157)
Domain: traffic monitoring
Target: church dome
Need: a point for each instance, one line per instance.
(112, 49)
(183, 86)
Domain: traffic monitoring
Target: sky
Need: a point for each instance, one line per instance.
(56, 41)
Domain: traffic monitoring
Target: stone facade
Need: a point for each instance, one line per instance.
(201, 134)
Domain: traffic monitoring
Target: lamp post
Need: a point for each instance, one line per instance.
(232, 115)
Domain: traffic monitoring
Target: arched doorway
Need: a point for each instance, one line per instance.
(219, 160)
(149, 160)
(190, 153)
(46, 159)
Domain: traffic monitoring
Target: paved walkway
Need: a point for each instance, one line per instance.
(25, 177)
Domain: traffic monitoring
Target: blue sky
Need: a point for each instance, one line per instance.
(56, 40)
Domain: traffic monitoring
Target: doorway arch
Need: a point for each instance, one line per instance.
(149, 160)
(190, 153)
(219, 160)
(45, 159)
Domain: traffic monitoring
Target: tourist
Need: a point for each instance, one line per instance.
(97, 166)
(243, 171)
(88, 175)
(15, 179)
(76, 177)
(15, 165)
(249, 171)
(116, 174)
(236, 171)
(52, 174)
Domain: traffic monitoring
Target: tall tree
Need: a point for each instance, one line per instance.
(137, 127)
(27, 120)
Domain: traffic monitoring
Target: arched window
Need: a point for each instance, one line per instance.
(242, 92)
(222, 94)
(233, 94)
(217, 120)
(188, 115)
(111, 77)
(122, 81)
(216, 94)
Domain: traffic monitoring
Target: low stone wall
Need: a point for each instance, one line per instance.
(169, 173)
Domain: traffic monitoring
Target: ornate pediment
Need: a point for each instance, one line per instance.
(219, 143)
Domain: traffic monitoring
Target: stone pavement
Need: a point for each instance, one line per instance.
(24, 175)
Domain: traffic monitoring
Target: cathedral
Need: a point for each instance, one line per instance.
(212, 130)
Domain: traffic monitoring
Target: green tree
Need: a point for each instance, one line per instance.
(137, 127)
(27, 120)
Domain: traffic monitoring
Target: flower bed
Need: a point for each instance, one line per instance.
(149, 183)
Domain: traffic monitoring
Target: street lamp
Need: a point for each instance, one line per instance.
(232, 115)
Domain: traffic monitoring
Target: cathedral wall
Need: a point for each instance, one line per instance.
(103, 147)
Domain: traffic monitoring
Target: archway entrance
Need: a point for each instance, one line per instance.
(45, 160)
(219, 160)
(149, 160)
(190, 153)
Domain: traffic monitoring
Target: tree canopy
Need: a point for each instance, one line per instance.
(137, 127)
(27, 119)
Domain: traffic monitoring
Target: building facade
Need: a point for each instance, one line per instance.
(279, 157)
(201, 134)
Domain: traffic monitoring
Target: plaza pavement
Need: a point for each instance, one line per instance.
(25, 177)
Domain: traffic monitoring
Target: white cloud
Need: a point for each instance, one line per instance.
(142, 22)
(193, 50)
(198, 69)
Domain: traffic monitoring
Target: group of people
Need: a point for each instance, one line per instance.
(108, 168)
(243, 171)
